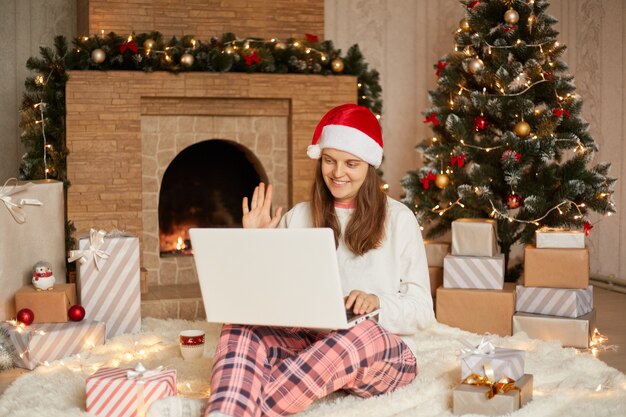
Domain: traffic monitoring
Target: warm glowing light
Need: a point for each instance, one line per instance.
(180, 244)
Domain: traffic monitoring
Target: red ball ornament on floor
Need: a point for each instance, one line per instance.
(25, 316)
(480, 122)
(76, 313)
(513, 201)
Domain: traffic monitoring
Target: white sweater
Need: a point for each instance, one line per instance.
(396, 272)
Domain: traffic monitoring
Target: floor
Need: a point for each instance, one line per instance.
(611, 311)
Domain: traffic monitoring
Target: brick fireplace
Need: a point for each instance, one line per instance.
(125, 128)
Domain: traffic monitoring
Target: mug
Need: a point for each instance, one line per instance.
(191, 343)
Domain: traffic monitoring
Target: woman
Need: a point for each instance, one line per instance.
(271, 371)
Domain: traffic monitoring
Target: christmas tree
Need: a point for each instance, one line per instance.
(508, 140)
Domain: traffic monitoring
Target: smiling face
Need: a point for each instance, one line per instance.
(343, 174)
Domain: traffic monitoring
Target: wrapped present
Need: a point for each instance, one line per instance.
(128, 392)
(493, 362)
(570, 332)
(473, 272)
(474, 237)
(48, 306)
(436, 278)
(435, 252)
(556, 268)
(31, 217)
(554, 301)
(46, 342)
(108, 278)
(477, 396)
(478, 311)
(547, 237)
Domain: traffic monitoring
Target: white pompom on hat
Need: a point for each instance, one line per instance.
(350, 128)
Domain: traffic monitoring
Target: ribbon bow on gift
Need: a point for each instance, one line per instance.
(96, 240)
(485, 347)
(16, 208)
(495, 387)
(140, 372)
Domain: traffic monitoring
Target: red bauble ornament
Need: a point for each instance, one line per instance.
(76, 313)
(473, 4)
(480, 122)
(513, 201)
(25, 316)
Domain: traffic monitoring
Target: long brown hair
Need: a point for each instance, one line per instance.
(366, 228)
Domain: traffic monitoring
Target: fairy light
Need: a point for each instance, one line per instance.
(496, 213)
(501, 89)
(441, 211)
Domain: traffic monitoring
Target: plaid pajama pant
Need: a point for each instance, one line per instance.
(271, 371)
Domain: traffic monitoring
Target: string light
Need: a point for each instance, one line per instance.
(503, 94)
(437, 209)
(499, 214)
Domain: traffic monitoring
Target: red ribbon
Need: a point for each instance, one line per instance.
(311, 38)
(548, 75)
(561, 112)
(427, 179)
(473, 4)
(458, 159)
(440, 66)
(507, 28)
(432, 118)
(587, 227)
(130, 45)
(252, 58)
(506, 154)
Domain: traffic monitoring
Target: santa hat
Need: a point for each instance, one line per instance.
(349, 128)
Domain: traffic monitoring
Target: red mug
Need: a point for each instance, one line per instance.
(191, 337)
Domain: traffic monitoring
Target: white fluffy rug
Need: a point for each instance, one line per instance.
(567, 382)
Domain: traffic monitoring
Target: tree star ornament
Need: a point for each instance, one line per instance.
(442, 180)
(337, 65)
(480, 122)
(522, 129)
(513, 201)
(511, 17)
(98, 56)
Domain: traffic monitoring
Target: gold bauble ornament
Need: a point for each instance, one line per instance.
(475, 65)
(337, 65)
(186, 60)
(280, 46)
(149, 43)
(229, 50)
(98, 56)
(464, 25)
(522, 129)
(442, 181)
(511, 17)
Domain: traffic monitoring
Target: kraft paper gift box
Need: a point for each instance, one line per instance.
(32, 228)
(556, 268)
(47, 306)
(108, 278)
(46, 342)
(477, 311)
(435, 274)
(474, 237)
(127, 392)
(505, 363)
(557, 238)
(570, 332)
(473, 272)
(554, 301)
(435, 252)
(473, 399)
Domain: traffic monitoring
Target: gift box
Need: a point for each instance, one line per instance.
(46, 342)
(547, 237)
(505, 363)
(473, 272)
(32, 227)
(108, 280)
(48, 306)
(435, 252)
(474, 399)
(474, 237)
(554, 301)
(570, 332)
(435, 274)
(478, 311)
(556, 268)
(127, 392)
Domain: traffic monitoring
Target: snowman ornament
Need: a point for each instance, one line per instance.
(43, 279)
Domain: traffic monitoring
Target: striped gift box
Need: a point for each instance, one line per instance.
(473, 272)
(506, 363)
(563, 302)
(120, 392)
(40, 343)
(109, 283)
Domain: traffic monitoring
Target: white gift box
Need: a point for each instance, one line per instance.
(558, 238)
(506, 363)
(435, 252)
(473, 272)
(563, 302)
(474, 237)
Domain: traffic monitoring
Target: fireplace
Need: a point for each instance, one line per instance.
(203, 187)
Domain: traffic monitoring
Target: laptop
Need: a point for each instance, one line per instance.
(271, 277)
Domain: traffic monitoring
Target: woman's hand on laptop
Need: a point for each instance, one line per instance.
(361, 302)
(259, 213)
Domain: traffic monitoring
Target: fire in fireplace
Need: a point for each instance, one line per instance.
(203, 187)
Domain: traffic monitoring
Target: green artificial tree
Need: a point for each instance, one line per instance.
(508, 142)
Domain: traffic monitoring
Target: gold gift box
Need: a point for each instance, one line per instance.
(47, 306)
(472, 399)
(435, 252)
(556, 268)
(570, 332)
(436, 279)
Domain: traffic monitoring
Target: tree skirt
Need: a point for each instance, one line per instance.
(566, 382)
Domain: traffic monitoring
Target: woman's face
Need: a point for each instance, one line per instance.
(343, 174)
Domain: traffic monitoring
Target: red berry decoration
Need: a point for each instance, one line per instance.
(480, 122)
(25, 316)
(76, 312)
(513, 201)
